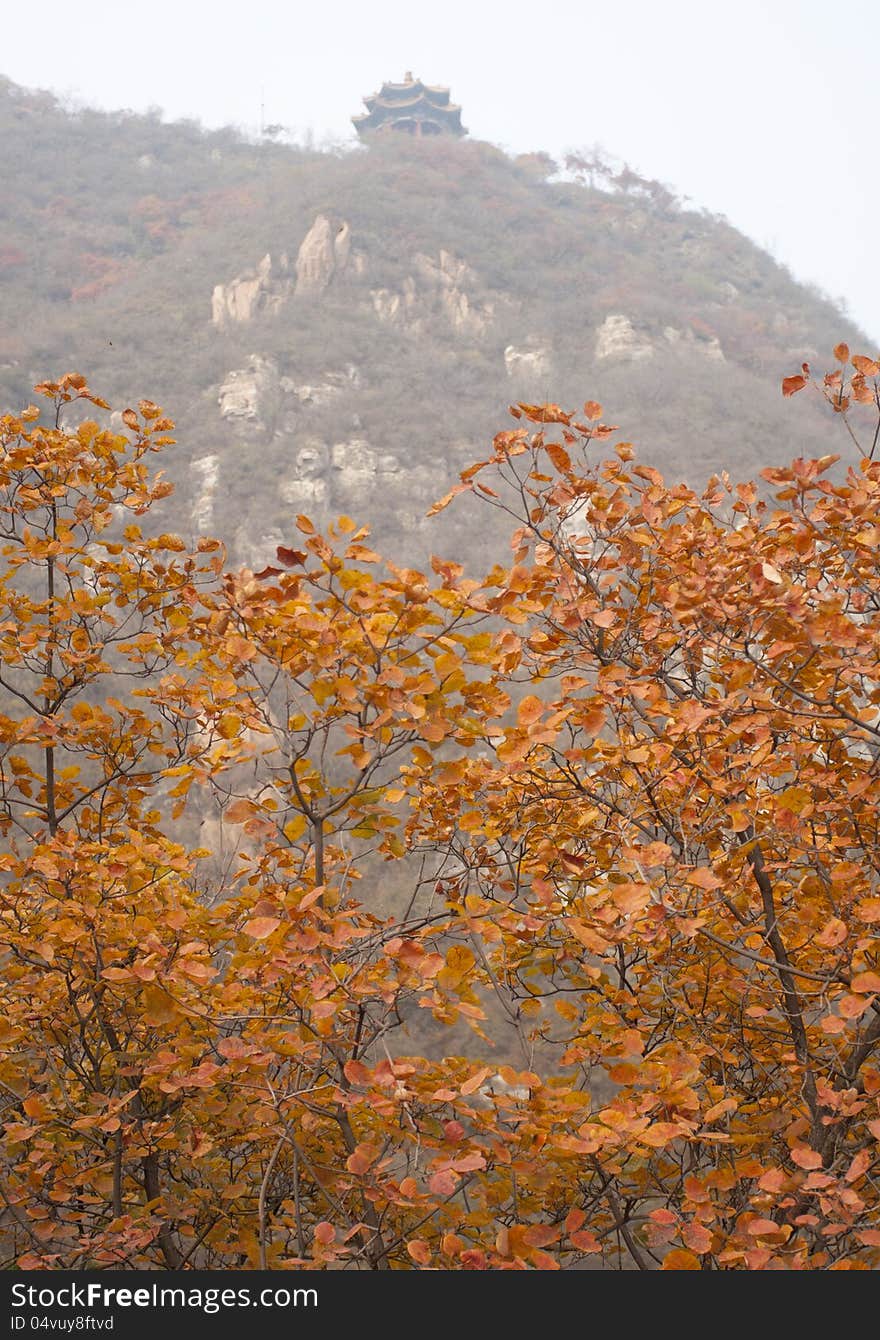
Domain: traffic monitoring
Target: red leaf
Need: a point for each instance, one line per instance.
(289, 557)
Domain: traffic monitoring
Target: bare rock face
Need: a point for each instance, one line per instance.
(306, 489)
(708, 346)
(205, 472)
(527, 366)
(324, 253)
(443, 288)
(263, 289)
(355, 466)
(254, 548)
(249, 397)
(616, 338)
(333, 385)
(448, 280)
(399, 306)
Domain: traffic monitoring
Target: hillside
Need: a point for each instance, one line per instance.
(342, 332)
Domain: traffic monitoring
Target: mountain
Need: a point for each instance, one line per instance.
(341, 332)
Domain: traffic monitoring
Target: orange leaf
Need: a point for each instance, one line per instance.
(806, 1158)
(833, 933)
(790, 385)
(419, 1251)
(542, 1235)
(704, 878)
(356, 1072)
(558, 456)
(859, 1166)
(471, 1085)
(240, 811)
(865, 982)
(258, 928)
(529, 710)
(443, 1183)
(678, 1259)
(361, 1160)
(697, 1237)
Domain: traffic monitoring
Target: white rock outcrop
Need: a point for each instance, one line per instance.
(332, 385)
(527, 366)
(617, 338)
(307, 488)
(264, 289)
(708, 346)
(449, 279)
(357, 466)
(323, 254)
(446, 288)
(205, 472)
(248, 397)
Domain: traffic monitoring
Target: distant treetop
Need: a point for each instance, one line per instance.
(412, 108)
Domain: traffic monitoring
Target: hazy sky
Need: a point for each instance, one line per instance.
(766, 111)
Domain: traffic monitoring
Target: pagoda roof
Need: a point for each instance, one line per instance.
(405, 104)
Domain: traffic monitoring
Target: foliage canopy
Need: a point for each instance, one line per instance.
(630, 778)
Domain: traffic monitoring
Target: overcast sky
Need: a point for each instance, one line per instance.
(765, 111)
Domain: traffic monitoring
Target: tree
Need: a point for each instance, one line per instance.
(690, 810)
(613, 808)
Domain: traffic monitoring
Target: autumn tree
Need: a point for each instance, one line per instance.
(183, 1066)
(679, 836)
(611, 808)
(92, 611)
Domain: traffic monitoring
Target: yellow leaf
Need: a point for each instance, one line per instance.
(229, 726)
(295, 827)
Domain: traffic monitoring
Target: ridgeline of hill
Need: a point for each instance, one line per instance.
(342, 331)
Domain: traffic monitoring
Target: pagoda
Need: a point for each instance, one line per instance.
(412, 108)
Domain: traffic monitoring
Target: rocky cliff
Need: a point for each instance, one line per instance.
(342, 333)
